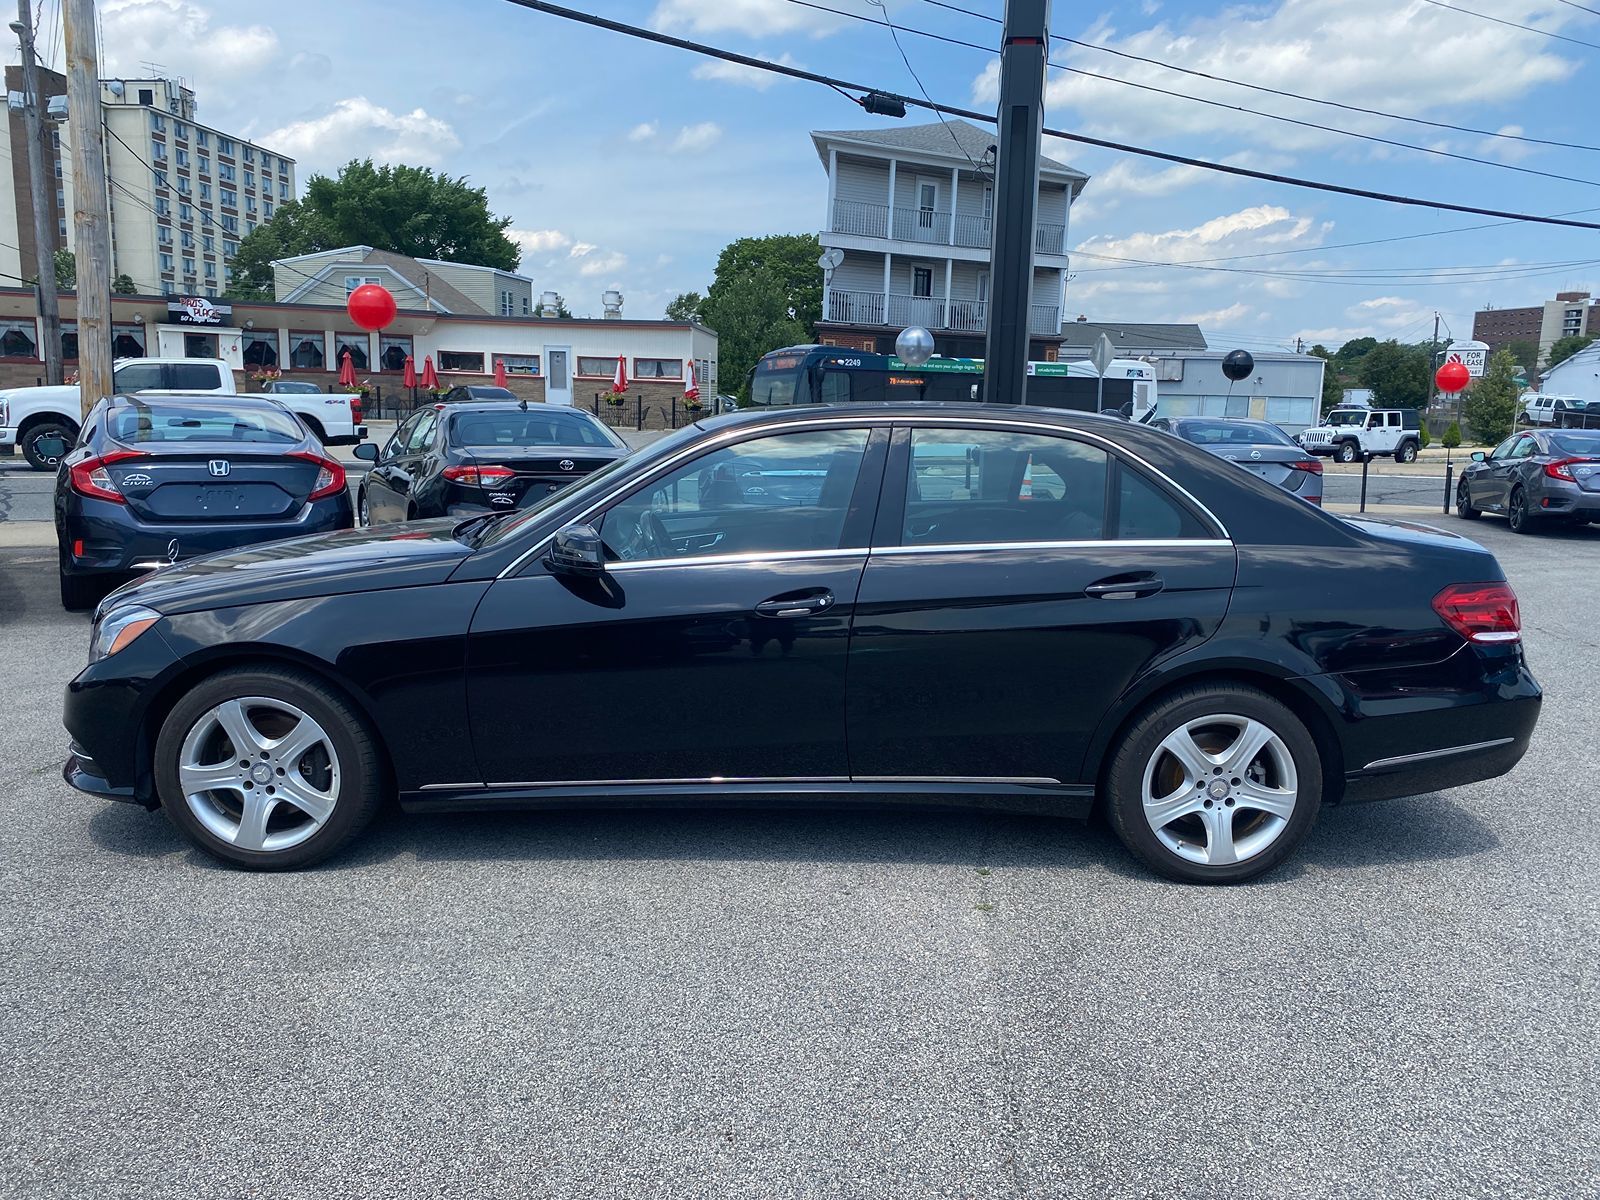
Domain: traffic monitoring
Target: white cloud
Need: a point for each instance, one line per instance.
(1259, 227)
(358, 128)
(695, 138)
(603, 264)
(539, 241)
(737, 73)
(643, 131)
(754, 18)
(1219, 316)
(582, 250)
(179, 35)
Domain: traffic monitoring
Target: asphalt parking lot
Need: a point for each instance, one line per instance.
(703, 1003)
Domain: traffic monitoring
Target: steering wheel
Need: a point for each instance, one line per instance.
(653, 532)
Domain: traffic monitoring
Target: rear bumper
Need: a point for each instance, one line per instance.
(359, 434)
(1566, 500)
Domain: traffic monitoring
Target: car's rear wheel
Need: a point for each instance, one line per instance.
(268, 769)
(1345, 452)
(1407, 453)
(1215, 784)
(1464, 508)
(1517, 514)
(46, 431)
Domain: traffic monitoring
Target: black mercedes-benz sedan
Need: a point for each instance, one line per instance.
(155, 479)
(1018, 608)
(460, 459)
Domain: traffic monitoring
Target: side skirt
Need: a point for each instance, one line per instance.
(996, 795)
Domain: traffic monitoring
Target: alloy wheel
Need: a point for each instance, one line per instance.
(1517, 512)
(363, 518)
(259, 773)
(1220, 789)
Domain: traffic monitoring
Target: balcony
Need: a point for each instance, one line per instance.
(897, 310)
(933, 227)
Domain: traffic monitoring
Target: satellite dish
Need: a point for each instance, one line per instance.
(115, 87)
(830, 259)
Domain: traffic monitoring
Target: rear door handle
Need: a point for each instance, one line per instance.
(802, 605)
(1125, 587)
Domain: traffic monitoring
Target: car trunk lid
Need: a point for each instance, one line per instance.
(214, 482)
(536, 471)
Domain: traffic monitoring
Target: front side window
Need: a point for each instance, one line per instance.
(787, 493)
(1503, 450)
(422, 436)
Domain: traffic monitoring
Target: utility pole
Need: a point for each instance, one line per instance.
(1023, 45)
(44, 259)
(91, 203)
(1433, 342)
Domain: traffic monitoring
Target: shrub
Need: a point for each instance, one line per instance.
(1452, 436)
(1423, 437)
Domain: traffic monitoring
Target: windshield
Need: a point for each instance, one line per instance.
(144, 423)
(1234, 433)
(1347, 416)
(532, 428)
(776, 381)
(1576, 441)
(281, 388)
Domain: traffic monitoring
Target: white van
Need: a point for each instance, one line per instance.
(1538, 408)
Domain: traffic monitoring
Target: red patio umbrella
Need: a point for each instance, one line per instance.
(430, 377)
(500, 372)
(410, 378)
(619, 381)
(347, 371)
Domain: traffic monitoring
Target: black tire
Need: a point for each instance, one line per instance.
(27, 439)
(1345, 452)
(1464, 508)
(79, 593)
(363, 516)
(1517, 514)
(317, 431)
(1124, 781)
(1407, 453)
(359, 763)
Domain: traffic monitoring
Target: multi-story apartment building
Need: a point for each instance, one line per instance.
(1569, 314)
(911, 210)
(182, 194)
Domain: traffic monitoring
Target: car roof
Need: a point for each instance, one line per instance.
(910, 409)
(494, 406)
(242, 403)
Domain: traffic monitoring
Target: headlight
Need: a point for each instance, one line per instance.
(118, 629)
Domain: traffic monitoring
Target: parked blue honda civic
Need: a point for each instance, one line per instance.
(156, 479)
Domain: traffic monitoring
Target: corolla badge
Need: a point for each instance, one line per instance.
(566, 464)
(136, 479)
(219, 467)
(499, 498)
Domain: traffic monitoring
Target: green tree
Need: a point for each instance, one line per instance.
(1452, 436)
(1526, 352)
(750, 312)
(1490, 405)
(409, 210)
(685, 306)
(1353, 351)
(66, 270)
(1397, 375)
(788, 260)
(123, 285)
(1333, 383)
(1565, 348)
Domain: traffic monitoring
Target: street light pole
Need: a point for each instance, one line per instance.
(91, 203)
(44, 256)
(1023, 46)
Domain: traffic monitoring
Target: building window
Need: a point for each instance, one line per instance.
(188, 266)
(158, 123)
(180, 130)
(229, 198)
(922, 281)
(205, 165)
(61, 198)
(231, 224)
(211, 293)
(61, 227)
(16, 339)
(266, 209)
(164, 234)
(225, 146)
(186, 240)
(225, 172)
(249, 154)
(283, 191)
(352, 282)
(208, 243)
(127, 341)
(166, 262)
(266, 161)
(211, 269)
(161, 179)
(202, 138)
(185, 213)
(355, 344)
(249, 179)
(508, 303)
(598, 368)
(393, 352)
(147, 96)
(260, 347)
(205, 191)
(249, 204)
(461, 360)
(519, 364)
(183, 185)
(158, 150)
(658, 368)
(229, 247)
(183, 157)
(227, 274)
(249, 227)
(305, 351)
(527, 306)
(58, 167)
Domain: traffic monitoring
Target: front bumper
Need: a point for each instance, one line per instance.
(83, 773)
(8, 437)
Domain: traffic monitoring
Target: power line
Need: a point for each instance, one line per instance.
(895, 35)
(1581, 7)
(1560, 37)
(1239, 108)
(1272, 91)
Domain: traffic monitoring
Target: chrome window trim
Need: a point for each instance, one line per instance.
(1091, 544)
(1401, 760)
(870, 421)
(754, 556)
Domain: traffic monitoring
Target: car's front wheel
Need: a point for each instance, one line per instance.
(266, 768)
(1464, 507)
(1215, 784)
(363, 515)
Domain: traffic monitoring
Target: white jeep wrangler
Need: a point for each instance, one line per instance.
(1346, 434)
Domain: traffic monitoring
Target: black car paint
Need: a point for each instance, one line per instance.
(553, 688)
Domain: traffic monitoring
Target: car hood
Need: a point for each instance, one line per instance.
(354, 560)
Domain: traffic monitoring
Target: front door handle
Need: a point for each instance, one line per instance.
(797, 604)
(1125, 587)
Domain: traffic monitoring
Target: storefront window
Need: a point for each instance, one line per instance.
(127, 341)
(457, 360)
(658, 368)
(16, 340)
(260, 347)
(603, 368)
(306, 353)
(356, 345)
(69, 341)
(393, 352)
(519, 364)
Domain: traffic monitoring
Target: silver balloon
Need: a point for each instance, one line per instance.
(914, 346)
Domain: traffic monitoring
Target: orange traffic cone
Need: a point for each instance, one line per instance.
(1027, 481)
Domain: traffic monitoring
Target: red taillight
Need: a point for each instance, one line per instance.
(90, 477)
(1480, 612)
(355, 409)
(1562, 468)
(330, 479)
(1312, 465)
(489, 477)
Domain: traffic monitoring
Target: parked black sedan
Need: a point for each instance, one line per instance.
(460, 459)
(1536, 479)
(155, 479)
(1260, 447)
(1142, 625)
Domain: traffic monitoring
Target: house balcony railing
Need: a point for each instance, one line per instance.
(849, 306)
(933, 227)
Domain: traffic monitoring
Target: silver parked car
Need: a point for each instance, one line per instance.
(1539, 477)
(1260, 447)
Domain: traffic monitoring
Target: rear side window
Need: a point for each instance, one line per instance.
(193, 377)
(137, 377)
(1144, 511)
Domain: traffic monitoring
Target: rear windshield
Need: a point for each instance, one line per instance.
(294, 389)
(1577, 441)
(1233, 433)
(532, 428)
(171, 423)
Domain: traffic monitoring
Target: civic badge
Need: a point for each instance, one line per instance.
(172, 551)
(566, 464)
(136, 479)
(218, 467)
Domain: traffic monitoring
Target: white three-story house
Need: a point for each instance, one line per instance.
(911, 210)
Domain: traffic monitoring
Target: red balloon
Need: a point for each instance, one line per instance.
(1452, 377)
(371, 306)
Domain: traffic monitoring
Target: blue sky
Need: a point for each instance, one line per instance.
(630, 165)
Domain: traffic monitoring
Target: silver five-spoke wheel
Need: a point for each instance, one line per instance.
(1220, 789)
(259, 773)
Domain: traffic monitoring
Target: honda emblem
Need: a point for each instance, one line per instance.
(218, 467)
(566, 464)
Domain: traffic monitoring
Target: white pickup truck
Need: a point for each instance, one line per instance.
(32, 416)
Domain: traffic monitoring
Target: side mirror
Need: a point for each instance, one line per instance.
(577, 550)
(366, 451)
(1479, 456)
